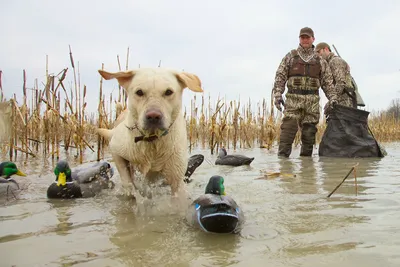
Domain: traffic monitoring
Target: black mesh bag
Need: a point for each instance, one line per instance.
(347, 135)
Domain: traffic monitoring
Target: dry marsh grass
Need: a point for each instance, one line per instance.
(52, 118)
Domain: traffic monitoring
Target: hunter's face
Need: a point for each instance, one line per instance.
(323, 53)
(306, 41)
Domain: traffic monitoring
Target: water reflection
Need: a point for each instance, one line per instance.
(309, 223)
(215, 249)
(333, 171)
(63, 214)
(151, 234)
(304, 174)
(289, 220)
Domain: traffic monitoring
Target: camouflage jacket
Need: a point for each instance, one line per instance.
(326, 78)
(340, 71)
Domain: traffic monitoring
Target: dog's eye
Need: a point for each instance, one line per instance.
(139, 92)
(168, 92)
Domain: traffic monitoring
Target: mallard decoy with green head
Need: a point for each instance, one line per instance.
(232, 160)
(84, 181)
(7, 182)
(214, 211)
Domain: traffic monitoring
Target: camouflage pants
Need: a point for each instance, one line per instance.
(303, 111)
(303, 108)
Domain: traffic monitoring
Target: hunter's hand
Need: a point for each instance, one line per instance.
(330, 106)
(279, 102)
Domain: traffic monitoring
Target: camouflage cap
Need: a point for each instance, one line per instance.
(306, 31)
(322, 45)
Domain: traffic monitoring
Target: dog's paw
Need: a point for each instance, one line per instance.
(126, 198)
(182, 195)
(180, 201)
(127, 191)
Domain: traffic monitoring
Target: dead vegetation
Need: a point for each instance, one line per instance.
(53, 117)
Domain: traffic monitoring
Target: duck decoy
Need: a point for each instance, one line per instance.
(7, 183)
(194, 162)
(214, 211)
(232, 160)
(81, 182)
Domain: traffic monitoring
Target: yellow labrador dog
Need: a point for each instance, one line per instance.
(151, 138)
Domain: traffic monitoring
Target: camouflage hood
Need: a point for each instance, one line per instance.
(306, 53)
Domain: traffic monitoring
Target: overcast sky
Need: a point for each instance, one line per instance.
(234, 46)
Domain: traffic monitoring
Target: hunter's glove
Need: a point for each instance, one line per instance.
(330, 105)
(279, 101)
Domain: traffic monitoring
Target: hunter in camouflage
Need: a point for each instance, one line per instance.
(303, 72)
(341, 75)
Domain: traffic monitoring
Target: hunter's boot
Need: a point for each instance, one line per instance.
(289, 129)
(308, 132)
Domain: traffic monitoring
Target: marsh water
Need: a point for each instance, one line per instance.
(289, 219)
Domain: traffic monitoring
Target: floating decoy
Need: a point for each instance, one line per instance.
(7, 184)
(214, 211)
(232, 160)
(194, 162)
(83, 181)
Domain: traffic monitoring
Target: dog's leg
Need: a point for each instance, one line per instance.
(174, 177)
(126, 173)
(174, 174)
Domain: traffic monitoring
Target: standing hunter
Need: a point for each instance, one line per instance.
(341, 75)
(304, 72)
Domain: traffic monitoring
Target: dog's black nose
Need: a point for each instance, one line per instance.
(153, 117)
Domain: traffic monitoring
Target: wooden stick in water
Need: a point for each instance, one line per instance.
(355, 178)
(344, 179)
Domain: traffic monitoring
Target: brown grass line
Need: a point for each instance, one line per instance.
(54, 117)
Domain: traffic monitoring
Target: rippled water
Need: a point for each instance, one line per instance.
(289, 219)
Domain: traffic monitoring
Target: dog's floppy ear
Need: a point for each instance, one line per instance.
(123, 77)
(190, 81)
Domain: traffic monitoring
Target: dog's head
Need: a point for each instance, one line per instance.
(154, 95)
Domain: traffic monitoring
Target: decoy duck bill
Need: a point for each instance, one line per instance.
(20, 173)
(62, 179)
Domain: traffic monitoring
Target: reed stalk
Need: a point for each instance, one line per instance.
(65, 122)
(100, 124)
